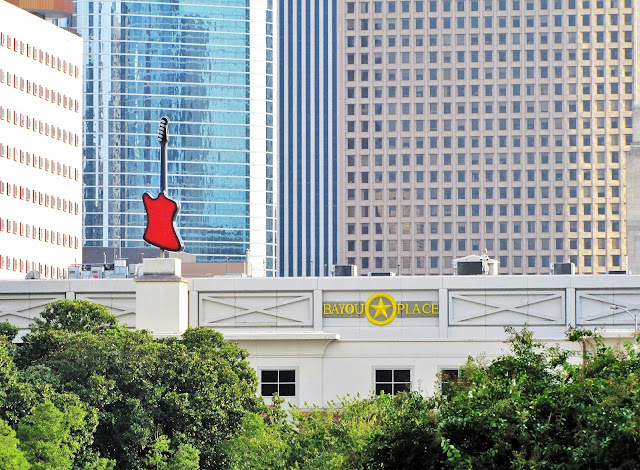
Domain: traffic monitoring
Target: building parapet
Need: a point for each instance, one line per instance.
(365, 308)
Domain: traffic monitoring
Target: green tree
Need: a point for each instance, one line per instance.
(156, 458)
(16, 396)
(194, 390)
(75, 315)
(105, 392)
(46, 436)
(601, 404)
(533, 408)
(185, 458)
(22, 390)
(257, 445)
(536, 407)
(11, 457)
(407, 434)
(205, 387)
(8, 330)
(494, 402)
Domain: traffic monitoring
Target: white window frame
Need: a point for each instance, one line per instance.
(296, 382)
(393, 383)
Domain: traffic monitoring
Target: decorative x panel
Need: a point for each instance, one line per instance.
(260, 309)
(593, 307)
(20, 310)
(534, 308)
(122, 306)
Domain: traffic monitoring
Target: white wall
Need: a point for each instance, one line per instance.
(280, 320)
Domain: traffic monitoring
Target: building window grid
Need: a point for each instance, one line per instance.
(30, 87)
(37, 161)
(11, 263)
(280, 381)
(38, 197)
(563, 135)
(392, 381)
(35, 53)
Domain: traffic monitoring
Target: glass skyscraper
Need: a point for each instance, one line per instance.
(208, 66)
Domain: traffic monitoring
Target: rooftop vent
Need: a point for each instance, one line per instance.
(475, 265)
(563, 268)
(344, 270)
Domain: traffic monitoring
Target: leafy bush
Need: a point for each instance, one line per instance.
(135, 393)
(532, 408)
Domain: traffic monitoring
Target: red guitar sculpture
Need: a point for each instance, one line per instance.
(162, 211)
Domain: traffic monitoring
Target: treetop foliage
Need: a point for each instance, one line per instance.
(74, 315)
(129, 401)
(533, 408)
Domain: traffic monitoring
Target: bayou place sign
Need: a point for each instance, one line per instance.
(380, 309)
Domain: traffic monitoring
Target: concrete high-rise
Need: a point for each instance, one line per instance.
(210, 67)
(40, 142)
(308, 237)
(498, 125)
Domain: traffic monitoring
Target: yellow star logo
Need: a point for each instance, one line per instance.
(380, 309)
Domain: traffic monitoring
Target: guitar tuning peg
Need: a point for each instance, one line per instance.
(163, 130)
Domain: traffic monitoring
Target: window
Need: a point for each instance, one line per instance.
(392, 381)
(282, 382)
(448, 376)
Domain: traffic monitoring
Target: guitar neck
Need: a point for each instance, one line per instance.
(163, 166)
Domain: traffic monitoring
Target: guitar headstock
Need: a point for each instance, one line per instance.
(163, 130)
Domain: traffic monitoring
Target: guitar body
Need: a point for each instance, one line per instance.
(161, 222)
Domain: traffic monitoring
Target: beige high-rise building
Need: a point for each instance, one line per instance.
(497, 125)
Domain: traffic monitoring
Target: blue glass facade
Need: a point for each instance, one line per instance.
(308, 144)
(194, 62)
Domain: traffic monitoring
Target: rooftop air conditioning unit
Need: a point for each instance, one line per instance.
(468, 268)
(119, 269)
(473, 265)
(75, 272)
(385, 274)
(97, 272)
(344, 270)
(563, 268)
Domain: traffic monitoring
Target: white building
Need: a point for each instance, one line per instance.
(314, 339)
(40, 146)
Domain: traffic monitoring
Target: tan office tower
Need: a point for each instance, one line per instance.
(473, 125)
